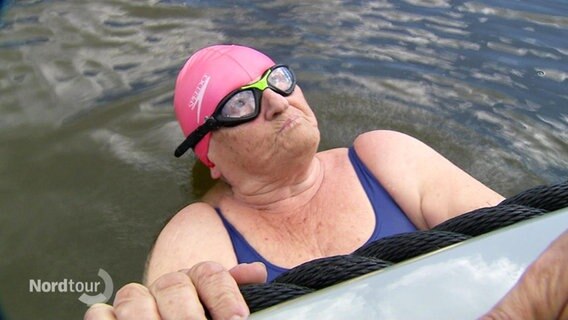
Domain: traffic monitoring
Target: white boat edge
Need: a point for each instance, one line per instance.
(462, 281)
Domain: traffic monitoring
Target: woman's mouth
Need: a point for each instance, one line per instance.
(289, 123)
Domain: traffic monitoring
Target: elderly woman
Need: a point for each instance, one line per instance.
(279, 201)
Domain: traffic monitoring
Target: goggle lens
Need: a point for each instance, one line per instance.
(239, 105)
(243, 104)
(282, 79)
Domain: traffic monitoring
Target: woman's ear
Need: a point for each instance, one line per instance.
(215, 173)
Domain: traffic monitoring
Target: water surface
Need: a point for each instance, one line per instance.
(87, 132)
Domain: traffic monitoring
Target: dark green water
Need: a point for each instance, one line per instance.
(87, 132)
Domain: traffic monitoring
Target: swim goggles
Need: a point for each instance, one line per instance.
(242, 105)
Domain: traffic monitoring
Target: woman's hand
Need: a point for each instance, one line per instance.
(542, 291)
(184, 295)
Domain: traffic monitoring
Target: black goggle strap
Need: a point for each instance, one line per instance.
(193, 139)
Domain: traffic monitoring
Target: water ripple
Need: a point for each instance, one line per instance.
(80, 53)
(87, 86)
(484, 9)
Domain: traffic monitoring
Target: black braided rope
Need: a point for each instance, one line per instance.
(404, 246)
(484, 220)
(324, 272)
(262, 296)
(382, 253)
(549, 198)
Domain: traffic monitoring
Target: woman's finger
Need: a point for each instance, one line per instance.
(176, 297)
(134, 302)
(252, 273)
(100, 311)
(218, 291)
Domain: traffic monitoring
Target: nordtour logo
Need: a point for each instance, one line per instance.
(198, 94)
(83, 287)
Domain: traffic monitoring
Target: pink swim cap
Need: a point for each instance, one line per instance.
(206, 78)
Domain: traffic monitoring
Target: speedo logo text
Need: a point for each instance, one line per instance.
(198, 94)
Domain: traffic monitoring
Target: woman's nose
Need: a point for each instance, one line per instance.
(273, 104)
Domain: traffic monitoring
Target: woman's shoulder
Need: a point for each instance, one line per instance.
(194, 234)
(383, 138)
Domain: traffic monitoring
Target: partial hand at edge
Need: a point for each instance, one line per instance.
(542, 291)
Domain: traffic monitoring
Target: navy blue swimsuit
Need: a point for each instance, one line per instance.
(390, 218)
